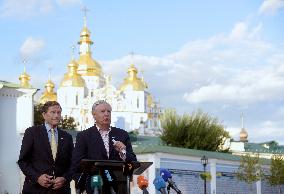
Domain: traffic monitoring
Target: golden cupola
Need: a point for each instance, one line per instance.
(87, 66)
(72, 78)
(132, 82)
(25, 79)
(49, 94)
(243, 133)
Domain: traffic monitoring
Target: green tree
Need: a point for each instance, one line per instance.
(68, 123)
(196, 131)
(205, 176)
(250, 169)
(276, 177)
(38, 118)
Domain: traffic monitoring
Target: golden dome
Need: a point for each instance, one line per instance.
(243, 135)
(87, 66)
(24, 79)
(72, 78)
(132, 82)
(49, 94)
(85, 36)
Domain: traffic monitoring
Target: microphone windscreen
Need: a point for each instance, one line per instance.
(165, 174)
(96, 181)
(142, 182)
(159, 183)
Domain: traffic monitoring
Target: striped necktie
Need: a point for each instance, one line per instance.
(53, 144)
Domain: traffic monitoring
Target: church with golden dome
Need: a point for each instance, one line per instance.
(133, 107)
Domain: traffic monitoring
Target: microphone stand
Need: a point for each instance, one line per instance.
(168, 188)
(128, 171)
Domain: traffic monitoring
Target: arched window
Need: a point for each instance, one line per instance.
(137, 102)
(77, 99)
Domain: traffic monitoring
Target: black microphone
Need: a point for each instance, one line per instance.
(167, 176)
(79, 184)
(160, 184)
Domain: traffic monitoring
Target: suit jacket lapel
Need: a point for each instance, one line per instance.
(111, 137)
(45, 140)
(97, 142)
(60, 143)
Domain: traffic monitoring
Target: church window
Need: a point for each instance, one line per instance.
(137, 102)
(77, 99)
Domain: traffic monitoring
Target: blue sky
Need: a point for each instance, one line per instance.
(223, 57)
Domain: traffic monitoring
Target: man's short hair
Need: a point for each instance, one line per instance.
(97, 103)
(49, 104)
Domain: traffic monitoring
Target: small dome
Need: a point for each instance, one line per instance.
(72, 78)
(132, 82)
(49, 94)
(243, 135)
(87, 66)
(24, 79)
(85, 36)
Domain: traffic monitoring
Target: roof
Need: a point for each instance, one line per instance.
(146, 144)
(265, 147)
(9, 84)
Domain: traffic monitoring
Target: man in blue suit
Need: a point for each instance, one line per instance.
(45, 155)
(102, 142)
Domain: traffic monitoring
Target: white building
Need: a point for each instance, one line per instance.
(16, 114)
(85, 82)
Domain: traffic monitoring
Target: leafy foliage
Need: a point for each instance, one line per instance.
(68, 123)
(38, 118)
(276, 178)
(205, 176)
(196, 131)
(250, 169)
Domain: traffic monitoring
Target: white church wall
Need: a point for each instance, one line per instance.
(15, 116)
(135, 101)
(92, 82)
(25, 113)
(127, 120)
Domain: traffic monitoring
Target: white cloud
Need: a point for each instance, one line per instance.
(24, 8)
(271, 6)
(239, 31)
(249, 87)
(29, 8)
(67, 2)
(238, 67)
(31, 47)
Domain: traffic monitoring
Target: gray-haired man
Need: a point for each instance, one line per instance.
(102, 142)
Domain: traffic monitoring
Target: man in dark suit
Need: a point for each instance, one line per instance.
(102, 142)
(45, 155)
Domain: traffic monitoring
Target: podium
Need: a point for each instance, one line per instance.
(120, 171)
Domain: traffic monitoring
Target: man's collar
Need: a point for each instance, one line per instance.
(99, 129)
(48, 128)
